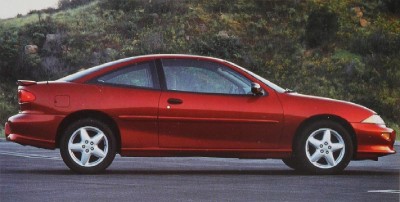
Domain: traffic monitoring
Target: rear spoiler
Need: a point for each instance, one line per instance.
(25, 83)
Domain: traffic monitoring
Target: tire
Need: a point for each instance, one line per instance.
(324, 147)
(88, 146)
(291, 163)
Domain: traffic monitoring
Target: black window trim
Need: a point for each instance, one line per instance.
(161, 75)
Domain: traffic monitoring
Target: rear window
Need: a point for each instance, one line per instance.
(137, 75)
(85, 72)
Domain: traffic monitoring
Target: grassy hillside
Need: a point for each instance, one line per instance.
(341, 49)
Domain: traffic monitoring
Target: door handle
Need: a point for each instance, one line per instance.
(175, 101)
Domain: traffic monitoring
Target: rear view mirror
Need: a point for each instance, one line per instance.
(256, 89)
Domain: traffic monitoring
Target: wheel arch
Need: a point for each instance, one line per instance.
(330, 117)
(101, 116)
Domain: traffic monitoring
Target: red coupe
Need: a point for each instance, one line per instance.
(185, 105)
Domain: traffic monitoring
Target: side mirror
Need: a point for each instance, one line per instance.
(256, 89)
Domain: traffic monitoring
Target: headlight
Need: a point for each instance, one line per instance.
(374, 119)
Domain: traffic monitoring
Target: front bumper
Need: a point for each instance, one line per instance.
(373, 140)
(38, 130)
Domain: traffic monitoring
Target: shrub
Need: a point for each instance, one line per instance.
(35, 33)
(216, 6)
(377, 42)
(8, 101)
(125, 5)
(9, 52)
(218, 46)
(321, 27)
(67, 4)
(392, 5)
(166, 6)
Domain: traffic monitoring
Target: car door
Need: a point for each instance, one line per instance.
(131, 95)
(207, 105)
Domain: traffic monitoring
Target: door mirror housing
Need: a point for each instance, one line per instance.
(256, 89)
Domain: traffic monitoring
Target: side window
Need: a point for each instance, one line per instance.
(137, 75)
(204, 77)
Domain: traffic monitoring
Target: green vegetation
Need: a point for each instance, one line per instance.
(341, 49)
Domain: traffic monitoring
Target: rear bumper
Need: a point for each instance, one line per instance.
(38, 130)
(373, 140)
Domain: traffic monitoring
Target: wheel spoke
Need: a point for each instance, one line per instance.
(98, 152)
(327, 136)
(85, 158)
(316, 156)
(314, 142)
(76, 147)
(330, 159)
(337, 146)
(97, 138)
(84, 134)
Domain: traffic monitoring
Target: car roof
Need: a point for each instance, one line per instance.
(125, 61)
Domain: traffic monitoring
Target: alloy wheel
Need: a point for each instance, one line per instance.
(325, 148)
(88, 146)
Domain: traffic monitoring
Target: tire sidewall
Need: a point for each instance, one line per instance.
(300, 149)
(67, 135)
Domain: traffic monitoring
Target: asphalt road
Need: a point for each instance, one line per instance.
(31, 174)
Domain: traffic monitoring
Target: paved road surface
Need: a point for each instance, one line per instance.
(31, 174)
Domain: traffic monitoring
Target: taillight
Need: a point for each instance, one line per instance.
(25, 96)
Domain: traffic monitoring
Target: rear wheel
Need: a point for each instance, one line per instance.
(325, 147)
(88, 146)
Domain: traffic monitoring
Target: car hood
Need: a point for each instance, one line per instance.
(307, 106)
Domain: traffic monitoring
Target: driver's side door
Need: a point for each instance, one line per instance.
(209, 106)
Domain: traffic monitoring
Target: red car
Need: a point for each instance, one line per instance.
(185, 105)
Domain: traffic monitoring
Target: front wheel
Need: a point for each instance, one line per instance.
(88, 146)
(325, 147)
